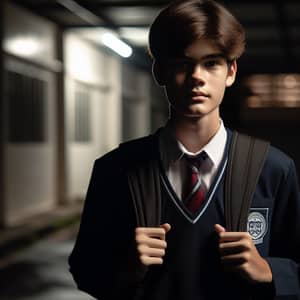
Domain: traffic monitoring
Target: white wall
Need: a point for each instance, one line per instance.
(98, 72)
(30, 168)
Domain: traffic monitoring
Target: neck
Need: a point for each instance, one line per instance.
(194, 132)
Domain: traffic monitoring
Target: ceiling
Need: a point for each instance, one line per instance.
(272, 27)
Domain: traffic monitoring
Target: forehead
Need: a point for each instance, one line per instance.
(202, 48)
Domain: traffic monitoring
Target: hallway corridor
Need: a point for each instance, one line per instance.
(40, 272)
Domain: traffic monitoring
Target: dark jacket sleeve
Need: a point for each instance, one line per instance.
(104, 253)
(284, 257)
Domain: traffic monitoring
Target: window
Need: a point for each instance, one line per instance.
(26, 108)
(267, 91)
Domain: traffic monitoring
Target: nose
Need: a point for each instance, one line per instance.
(198, 74)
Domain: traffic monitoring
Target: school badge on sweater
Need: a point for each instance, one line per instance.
(257, 225)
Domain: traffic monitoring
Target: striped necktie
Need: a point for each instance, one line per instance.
(193, 196)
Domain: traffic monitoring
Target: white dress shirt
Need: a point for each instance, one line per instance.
(172, 152)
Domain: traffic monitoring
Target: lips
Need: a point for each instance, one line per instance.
(197, 91)
(198, 95)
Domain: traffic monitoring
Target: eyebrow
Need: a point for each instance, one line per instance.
(209, 56)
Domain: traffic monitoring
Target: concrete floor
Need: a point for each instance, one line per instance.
(40, 272)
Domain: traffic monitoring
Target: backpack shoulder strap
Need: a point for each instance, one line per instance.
(142, 170)
(143, 177)
(246, 159)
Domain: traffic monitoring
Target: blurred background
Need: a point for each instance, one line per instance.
(75, 82)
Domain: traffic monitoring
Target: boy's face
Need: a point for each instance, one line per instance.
(195, 83)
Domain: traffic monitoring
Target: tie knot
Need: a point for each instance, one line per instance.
(196, 161)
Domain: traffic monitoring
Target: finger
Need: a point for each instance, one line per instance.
(234, 259)
(151, 231)
(151, 242)
(152, 252)
(232, 236)
(219, 228)
(166, 227)
(232, 248)
(146, 260)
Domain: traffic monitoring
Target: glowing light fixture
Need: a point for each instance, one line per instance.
(23, 46)
(112, 42)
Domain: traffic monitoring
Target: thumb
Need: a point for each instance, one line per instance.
(166, 227)
(219, 228)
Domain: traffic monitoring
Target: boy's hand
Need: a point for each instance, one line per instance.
(239, 254)
(151, 243)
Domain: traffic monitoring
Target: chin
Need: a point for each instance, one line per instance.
(187, 113)
(192, 114)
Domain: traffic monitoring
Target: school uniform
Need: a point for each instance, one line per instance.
(105, 264)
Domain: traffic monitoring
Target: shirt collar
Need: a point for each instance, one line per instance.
(172, 150)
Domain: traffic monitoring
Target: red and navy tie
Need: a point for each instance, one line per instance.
(193, 196)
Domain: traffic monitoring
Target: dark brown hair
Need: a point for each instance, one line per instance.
(184, 21)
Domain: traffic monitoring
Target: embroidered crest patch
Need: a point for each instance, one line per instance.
(257, 225)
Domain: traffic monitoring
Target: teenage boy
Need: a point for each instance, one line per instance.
(172, 243)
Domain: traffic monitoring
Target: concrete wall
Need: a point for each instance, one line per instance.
(98, 73)
(29, 167)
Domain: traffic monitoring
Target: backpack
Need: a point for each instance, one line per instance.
(246, 159)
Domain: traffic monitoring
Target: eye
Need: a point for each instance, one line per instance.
(212, 63)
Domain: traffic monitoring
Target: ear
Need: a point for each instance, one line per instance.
(231, 73)
(158, 73)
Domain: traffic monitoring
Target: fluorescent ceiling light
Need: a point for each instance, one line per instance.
(114, 43)
(23, 46)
